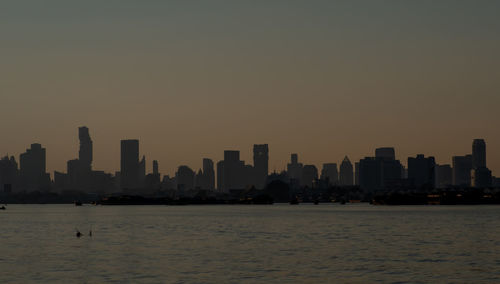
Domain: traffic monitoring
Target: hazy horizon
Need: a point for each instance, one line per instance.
(191, 79)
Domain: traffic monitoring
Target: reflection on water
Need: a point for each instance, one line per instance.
(248, 244)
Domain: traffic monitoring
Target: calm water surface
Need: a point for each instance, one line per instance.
(250, 244)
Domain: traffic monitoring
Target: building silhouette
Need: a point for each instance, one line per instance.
(481, 177)
(294, 169)
(478, 154)
(232, 172)
(260, 164)
(330, 174)
(444, 176)
(421, 171)
(346, 174)
(205, 179)
(462, 166)
(370, 174)
(9, 174)
(85, 154)
(130, 170)
(33, 169)
(309, 175)
(184, 178)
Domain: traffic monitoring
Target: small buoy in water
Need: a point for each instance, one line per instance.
(78, 234)
(90, 233)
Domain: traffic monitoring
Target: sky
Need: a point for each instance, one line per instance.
(191, 79)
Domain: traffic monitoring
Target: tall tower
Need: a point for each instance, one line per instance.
(346, 175)
(261, 164)
(209, 174)
(85, 153)
(129, 164)
(478, 154)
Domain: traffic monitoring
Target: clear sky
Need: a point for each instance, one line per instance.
(192, 78)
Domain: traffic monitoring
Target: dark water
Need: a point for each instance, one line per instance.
(250, 244)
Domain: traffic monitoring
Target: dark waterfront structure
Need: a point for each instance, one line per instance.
(421, 171)
(370, 174)
(330, 174)
(130, 168)
(260, 164)
(309, 175)
(233, 171)
(444, 176)
(33, 173)
(481, 177)
(462, 166)
(294, 169)
(346, 174)
(382, 175)
(478, 154)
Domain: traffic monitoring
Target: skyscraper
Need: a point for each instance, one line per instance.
(462, 166)
(294, 169)
(129, 164)
(370, 174)
(346, 172)
(478, 154)
(421, 171)
(233, 175)
(260, 164)
(309, 175)
(33, 168)
(208, 174)
(184, 178)
(329, 172)
(444, 176)
(85, 152)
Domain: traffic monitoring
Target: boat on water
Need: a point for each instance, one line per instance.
(2, 208)
(294, 201)
(78, 203)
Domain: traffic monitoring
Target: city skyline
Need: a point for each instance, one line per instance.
(246, 155)
(380, 172)
(198, 163)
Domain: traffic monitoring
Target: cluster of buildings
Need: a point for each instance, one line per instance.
(371, 174)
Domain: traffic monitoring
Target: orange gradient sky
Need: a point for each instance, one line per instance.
(190, 79)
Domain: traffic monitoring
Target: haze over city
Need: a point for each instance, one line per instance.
(191, 79)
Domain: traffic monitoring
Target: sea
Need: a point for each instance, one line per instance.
(280, 243)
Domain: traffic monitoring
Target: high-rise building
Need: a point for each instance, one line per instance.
(346, 174)
(260, 164)
(129, 164)
(309, 175)
(385, 153)
(462, 166)
(220, 176)
(294, 169)
(155, 168)
(233, 175)
(330, 173)
(85, 152)
(444, 176)
(356, 173)
(208, 174)
(184, 178)
(478, 154)
(9, 174)
(33, 168)
(421, 171)
(370, 174)
(481, 177)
